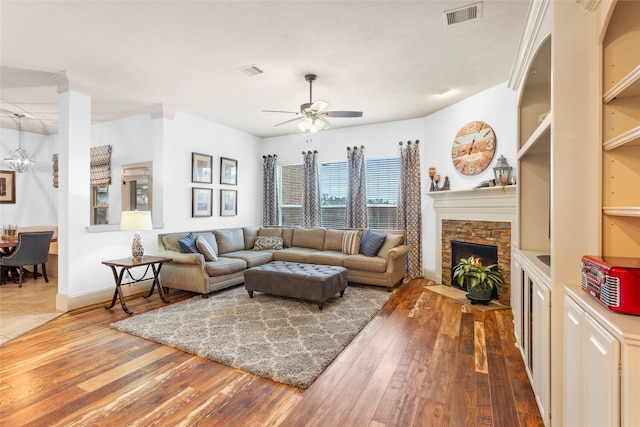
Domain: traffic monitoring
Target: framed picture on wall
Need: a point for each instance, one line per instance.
(228, 171)
(201, 202)
(228, 202)
(201, 168)
(7, 186)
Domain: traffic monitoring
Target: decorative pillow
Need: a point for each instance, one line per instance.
(371, 243)
(267, 242)
(205, 249)
(188, 244)
(351, 242)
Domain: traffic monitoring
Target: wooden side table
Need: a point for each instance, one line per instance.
(125, 265)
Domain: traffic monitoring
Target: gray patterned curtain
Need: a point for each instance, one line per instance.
(356, 189)
(311, 212)
(409, 206)
(270, 208)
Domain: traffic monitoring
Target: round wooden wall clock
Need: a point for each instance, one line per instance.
(473, 148)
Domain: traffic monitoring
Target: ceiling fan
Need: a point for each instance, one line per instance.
(312, 114)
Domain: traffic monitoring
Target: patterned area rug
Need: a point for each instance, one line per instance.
(286, 340)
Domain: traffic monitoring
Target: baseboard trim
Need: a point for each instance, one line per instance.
(431, 275)
(72, 302)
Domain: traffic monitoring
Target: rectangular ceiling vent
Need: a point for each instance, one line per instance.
(251, 70)
(463, 14)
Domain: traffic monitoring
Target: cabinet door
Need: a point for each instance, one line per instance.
(517, 302)
(573, 366)
(541, 346)
(601, 361)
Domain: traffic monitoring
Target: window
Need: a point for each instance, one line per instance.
(136, 187)
(290, 187)
(383, 177)
(99, 204)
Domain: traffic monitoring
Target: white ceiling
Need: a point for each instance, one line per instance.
(390, 59)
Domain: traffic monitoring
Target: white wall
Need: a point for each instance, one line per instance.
(495, 106)
(36, 198)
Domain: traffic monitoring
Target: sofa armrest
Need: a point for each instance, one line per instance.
(180, 258)
(397, 252)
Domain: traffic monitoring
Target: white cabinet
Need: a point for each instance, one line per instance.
(531, 304)
(601, 358)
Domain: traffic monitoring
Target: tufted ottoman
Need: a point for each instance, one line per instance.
(310, 282)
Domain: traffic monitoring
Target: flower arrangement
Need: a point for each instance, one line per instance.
(477, 275)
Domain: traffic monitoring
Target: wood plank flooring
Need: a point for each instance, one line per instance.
(423, 360)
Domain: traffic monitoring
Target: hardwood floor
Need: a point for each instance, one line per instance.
(423, 360)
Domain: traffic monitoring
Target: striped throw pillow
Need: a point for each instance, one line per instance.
(351, 242)
(188, 244)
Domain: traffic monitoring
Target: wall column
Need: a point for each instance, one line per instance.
(74, 190)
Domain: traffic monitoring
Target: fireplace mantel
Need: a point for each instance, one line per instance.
(478, 204)
(491, 199)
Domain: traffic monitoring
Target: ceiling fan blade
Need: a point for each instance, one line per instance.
(279, 111)
(288, 121)
(319, 106)
(343, 113)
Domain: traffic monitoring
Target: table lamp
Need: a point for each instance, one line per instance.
(136, 220)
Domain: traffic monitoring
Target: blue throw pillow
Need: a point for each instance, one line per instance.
(371, 243)
(188, 244)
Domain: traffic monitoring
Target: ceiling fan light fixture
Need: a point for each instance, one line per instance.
(19, 159)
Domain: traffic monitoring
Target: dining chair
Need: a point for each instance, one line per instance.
(32, 249)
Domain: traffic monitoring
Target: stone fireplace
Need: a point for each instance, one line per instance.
(485, 216)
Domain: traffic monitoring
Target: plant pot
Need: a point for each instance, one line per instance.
(479, 294)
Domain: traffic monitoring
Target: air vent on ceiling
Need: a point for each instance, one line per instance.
(251, 70)
(462, 14)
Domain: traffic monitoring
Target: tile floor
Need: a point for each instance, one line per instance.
(23, 309)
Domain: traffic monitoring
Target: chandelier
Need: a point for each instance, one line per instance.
(19, 159)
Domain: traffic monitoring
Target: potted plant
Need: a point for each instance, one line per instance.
(480, 280)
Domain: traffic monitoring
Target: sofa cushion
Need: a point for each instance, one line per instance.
(250, 234)
(170, 241)
(371, 243)
(333, 240)
(365, 263)
(224, 266)
(263, 243)
(326, 258)
(276, 232)
(351, 242)
(293, 254)
(393, 241)
(210, 238)
(312, 238)
(229, 240)
(188, 244)
(252, 258)
(287, 237)
(205, 248)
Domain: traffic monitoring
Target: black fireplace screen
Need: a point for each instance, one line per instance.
(488, 255)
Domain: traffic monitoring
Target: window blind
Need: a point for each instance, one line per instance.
(101, 165)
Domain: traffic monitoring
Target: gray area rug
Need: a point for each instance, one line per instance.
(286, 340)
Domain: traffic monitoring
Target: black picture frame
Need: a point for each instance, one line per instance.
(7, 187)
(228, 171)
(228, 202)
(201, 202)
(201, 168)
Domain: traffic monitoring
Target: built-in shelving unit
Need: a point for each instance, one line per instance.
(621, 133)
(531, 288)
(534, 154)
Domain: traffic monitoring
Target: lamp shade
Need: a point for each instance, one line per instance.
(136, 220)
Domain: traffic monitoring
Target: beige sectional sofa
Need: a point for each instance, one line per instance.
(235, 253)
